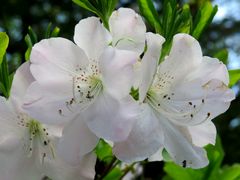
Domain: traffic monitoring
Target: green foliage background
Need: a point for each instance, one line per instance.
(167, 19)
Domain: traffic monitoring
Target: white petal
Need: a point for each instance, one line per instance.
(91, 36)
(8, 122)
(203, 134)
(22, 79)
(16, 165)
(180, 148)
(210, 68)
(128, 30)
(144, 140)
(117, 71)
(88, 166)
(7, 112)
(57, 169)
(77, 141)
(195, 103)
(48, 104)
(199, 96)
(110, 118)
(9, 142)
(185, 55)
(56, 60)
(157, 156)
(149, 62)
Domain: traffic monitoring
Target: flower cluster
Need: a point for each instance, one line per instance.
(72, 94)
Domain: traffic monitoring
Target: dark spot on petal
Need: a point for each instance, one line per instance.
(208, 114)
(184, 163)
(190, 103)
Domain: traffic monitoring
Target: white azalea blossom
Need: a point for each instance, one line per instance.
(27, 147)
(85, 86)
(179, 99)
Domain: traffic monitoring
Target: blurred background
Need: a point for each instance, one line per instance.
(223, 34)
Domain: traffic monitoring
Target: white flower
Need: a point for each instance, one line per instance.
(27, 147)
(86, 86)
(179, 100)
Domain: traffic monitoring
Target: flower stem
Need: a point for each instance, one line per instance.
(111, 165)
(127, 169)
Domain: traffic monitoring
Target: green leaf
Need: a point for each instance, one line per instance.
(222, 56)
(55, 32)
(86, 5)
(166, 156)
(104, 151)
(102, 8)
(215, 156)
(29, 45)
(234, 76)
(48, 31)
(116, 173)
(4, 40)
(134, 93)
(3, 90)
(32, 35)
(176, 172)
(230, 172)
(203, 18)
(51, 33)
(150, 14)
(184, 23)
(4, 78)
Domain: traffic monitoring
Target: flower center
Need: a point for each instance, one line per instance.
(36, 138)
(87, 85)
(179, 112)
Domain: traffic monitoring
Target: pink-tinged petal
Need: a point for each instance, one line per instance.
(50, 105)
(203, 134)
(92, 37)
(128, 30)
(56, 60)
(149, 63)
(180, 148)
(117, 71)
(21, 81)
(110, 118)
(143, 141)
(77, 141)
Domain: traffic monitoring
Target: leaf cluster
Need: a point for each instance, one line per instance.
(102, 8)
